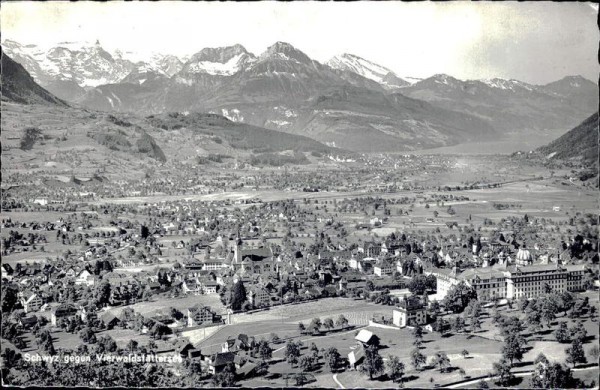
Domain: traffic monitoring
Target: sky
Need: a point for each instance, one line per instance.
(535, 42)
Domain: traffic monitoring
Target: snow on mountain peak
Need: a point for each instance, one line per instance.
(222, 61)
(367, 69)
(285, 51)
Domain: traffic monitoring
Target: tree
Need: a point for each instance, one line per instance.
(395, 368)
(300, 378)
(482, 385)
(306, 363)
(575, 353)
(562, 333)
(578, 331)
(418, 284)
(502, 371)
(342, 321)
(458, 297)
(132, 345)
(332, 358)
(274, 338)
(315, 325)
(440, 325)
(9, 298)
(292, 352)
(442, 361)
(301, 327)
(328, 323)
(551, 376)
(513, 348)
(417, 359)
(238, 296)
(464, 353)
(370, 286)
(264, 350)
(144, 232)
(225, 378)
(373, 362)
(458, 324)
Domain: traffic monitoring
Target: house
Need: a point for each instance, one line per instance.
(85, 278)
(367, 338)
(110, 320)
(191, 287)
(31, 302)
(259, 297)
(183, 348)
(242, 342)
(383, 269)
(411, 311)
(28, 322)
(356, 356)
(87, 315)
(218, 361)
(246, 370)
(201, 315)
(62, 312)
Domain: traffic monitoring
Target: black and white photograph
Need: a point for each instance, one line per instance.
(300, 194)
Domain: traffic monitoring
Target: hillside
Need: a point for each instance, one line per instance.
(18, 85)
(579, 143)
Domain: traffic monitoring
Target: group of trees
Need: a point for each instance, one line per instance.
(328, 323)
(458, 297)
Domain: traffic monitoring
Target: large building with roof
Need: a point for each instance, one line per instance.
(512, 282)
(253, 260)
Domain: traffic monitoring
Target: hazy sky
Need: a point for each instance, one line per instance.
(534, 42)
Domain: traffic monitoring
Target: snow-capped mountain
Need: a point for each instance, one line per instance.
(86, 64)
(507, 84)
(350, 101)
(368, 69)
(220, 61)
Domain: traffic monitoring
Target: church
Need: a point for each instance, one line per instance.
(253, 260)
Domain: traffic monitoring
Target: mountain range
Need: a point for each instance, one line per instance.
(39, 129)
(348, 102)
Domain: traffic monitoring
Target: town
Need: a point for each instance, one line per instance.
(418, 285)
(332, 195)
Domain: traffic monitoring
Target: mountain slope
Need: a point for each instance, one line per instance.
(368, 69)
(511, 105)
(579, 143)
(349, 102)
(18, 85)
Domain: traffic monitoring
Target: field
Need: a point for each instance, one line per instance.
(182, 303)
(482, 346)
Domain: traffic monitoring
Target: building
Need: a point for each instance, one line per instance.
(191, 287)
(523, 257)
(489, 283)
(410, 312)
(218, 361)
(85, 278)
(514, 281)
(384, 268)
(65, 311)
(531, 281)
(259, 296)
(367, 338)
(575, 277)
(31, 302)
(253, 260)
(356, 356)
(201, 315)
